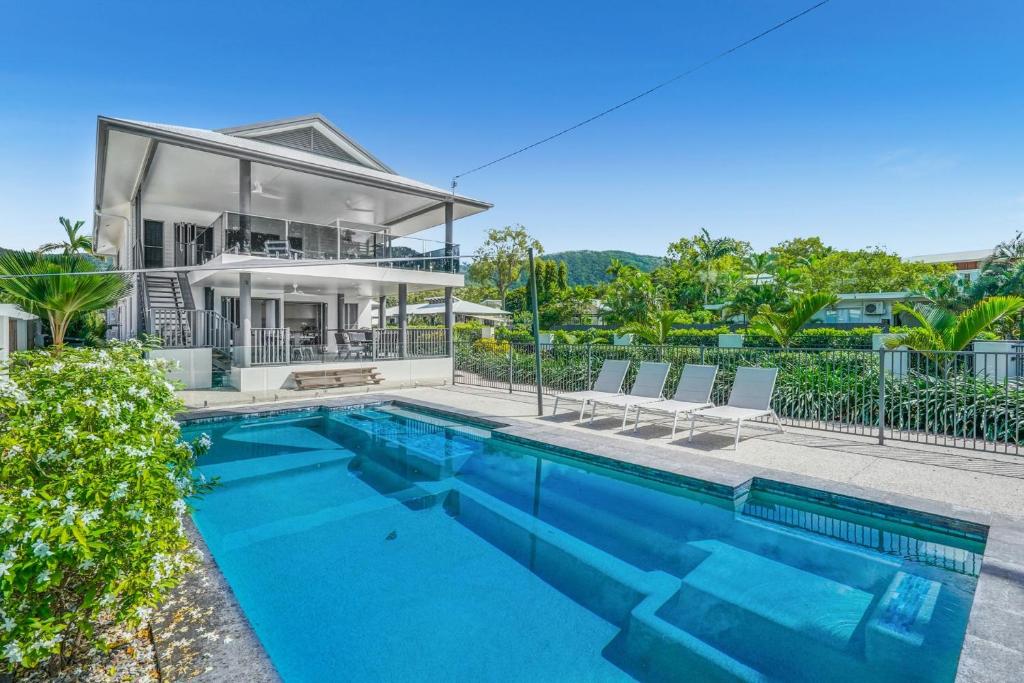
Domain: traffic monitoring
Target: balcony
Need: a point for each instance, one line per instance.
(262, 236)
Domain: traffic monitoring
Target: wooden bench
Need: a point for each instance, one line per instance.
(340, 377)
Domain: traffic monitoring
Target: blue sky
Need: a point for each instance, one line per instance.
(866, 122)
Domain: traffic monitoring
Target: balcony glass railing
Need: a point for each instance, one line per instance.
(236, 233)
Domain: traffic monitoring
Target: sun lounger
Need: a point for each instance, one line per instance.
(750, 398)
(609, 383)
(692, 393)
(647, 388)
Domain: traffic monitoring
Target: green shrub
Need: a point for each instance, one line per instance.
(694, 337)
(93, 484)
(518, 335)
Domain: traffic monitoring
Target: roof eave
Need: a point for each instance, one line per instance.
(105, 124)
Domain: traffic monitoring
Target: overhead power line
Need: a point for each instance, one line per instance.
(645, 93)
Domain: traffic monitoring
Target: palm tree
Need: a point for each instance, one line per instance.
(943, 330)
(75, 242)
(761, 266)
(782, 327)
(59, 286)
(708, 251)
(654, 331)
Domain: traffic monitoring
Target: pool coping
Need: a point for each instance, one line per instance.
(993, 647)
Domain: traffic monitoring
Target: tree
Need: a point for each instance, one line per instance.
(655, 330)
(761, 266)
(943, 330)
(782, 327)
(710, 251)
(800, 251)
(54, 287)
(631, 297)
(749, 300)
(500, 259)
(868, 270)
(74, 243)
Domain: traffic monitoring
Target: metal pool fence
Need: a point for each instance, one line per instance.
(964, 399)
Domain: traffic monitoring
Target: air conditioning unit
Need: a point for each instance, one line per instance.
(874, 308)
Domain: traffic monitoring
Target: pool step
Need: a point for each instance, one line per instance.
(647, 646)
(298, 524)
(278, 436)
(832, 558)
(253, 468)
(430, 456)
(763, 611)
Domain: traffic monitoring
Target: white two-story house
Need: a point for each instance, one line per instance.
(258, 250)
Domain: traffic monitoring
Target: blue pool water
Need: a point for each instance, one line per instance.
(380, 544)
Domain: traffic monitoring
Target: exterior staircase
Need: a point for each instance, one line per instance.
(168, 300)
(170, 313)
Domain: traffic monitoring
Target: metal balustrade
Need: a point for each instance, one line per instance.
(262, 236)
(188, 328)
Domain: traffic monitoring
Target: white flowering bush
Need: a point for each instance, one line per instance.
(93, 484)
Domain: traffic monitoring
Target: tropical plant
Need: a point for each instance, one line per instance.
(59, 287)
(749, 300)
(74, 243)
(761, 266)
(653, 331)
(782, 326)
(93, 488)
(942, 330)
(709, 250)
(632, 297)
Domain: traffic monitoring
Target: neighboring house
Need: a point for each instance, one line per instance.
(873, 308)
(18, 330)
(257, 246)
(464, 311)
(864, 308)
(968, 264)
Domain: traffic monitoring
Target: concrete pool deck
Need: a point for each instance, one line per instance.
(982, 488)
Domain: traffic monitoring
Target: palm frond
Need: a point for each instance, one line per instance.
(979, 318)
(59, 286)
(783, 326)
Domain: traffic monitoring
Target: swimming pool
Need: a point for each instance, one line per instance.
(383, 543)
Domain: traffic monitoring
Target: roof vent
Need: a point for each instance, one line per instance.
(308, 139)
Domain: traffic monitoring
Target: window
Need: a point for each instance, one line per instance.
(351, 319)
(152, 244)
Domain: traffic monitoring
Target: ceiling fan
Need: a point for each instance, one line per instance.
(257, 188)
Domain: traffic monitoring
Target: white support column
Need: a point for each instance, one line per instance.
(245, 316)
(449, 317)
(403, 293)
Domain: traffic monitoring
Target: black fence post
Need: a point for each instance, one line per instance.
(881, 396)
(536, 336)
(590, 366)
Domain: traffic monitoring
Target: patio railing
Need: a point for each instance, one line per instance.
(236, 233)
(186, 328)
(961, 399)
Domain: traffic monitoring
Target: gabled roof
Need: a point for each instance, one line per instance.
(281, 156)
(311, 133)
